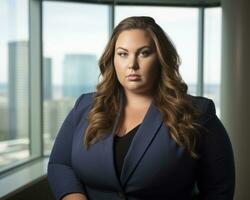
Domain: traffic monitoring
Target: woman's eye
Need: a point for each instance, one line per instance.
(122, 54)
(145, 53)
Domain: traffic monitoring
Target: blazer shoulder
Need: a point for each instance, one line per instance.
(82, 105)
(84, 100)
(205, 105)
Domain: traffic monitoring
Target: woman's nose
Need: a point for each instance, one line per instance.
(133, 63)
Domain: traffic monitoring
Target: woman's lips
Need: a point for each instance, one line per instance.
(133, 77)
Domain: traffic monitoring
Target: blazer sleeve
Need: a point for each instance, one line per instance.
(61, 176)
(216, 170)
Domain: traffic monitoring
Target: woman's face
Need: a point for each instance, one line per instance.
(136, 61)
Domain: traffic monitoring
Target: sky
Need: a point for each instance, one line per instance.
(13, 26)
(83, 28)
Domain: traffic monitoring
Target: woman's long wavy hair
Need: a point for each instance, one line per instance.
(171, 92)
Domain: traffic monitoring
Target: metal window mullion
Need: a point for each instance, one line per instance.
(200, 75)
(111, 17)
(35, 66)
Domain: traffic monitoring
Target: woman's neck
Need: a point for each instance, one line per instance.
(134, 100)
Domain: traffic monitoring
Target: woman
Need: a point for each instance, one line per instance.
(141, 136)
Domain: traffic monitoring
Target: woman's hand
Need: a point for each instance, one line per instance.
(75, 196)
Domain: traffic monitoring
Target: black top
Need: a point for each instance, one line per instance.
(121, 146)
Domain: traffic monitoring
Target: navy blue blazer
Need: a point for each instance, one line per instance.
(155, 166)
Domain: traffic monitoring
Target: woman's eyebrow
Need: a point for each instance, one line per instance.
(137, 49)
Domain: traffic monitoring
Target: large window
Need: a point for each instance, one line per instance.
(74, 36)
(181, 25)
(14, 82)
(72, 44)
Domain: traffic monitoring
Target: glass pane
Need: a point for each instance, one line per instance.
(212, 55)
(72, 44)
(14, 82)
(181, 24)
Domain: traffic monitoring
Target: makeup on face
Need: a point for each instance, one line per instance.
(136, 61)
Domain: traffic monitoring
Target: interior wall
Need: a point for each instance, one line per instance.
(235, 91)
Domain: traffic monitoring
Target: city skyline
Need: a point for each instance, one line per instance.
(78, 39)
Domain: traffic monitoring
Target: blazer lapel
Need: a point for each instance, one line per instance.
(142, 139)
(109, 163)
(108, 150)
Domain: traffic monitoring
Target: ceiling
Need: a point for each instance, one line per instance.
(182, 3)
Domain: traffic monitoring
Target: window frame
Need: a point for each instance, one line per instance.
(36, 81)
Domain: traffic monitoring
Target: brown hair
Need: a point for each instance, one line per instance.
(171, 92)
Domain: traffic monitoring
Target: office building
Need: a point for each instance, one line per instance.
(79, 74)
(18, 90)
